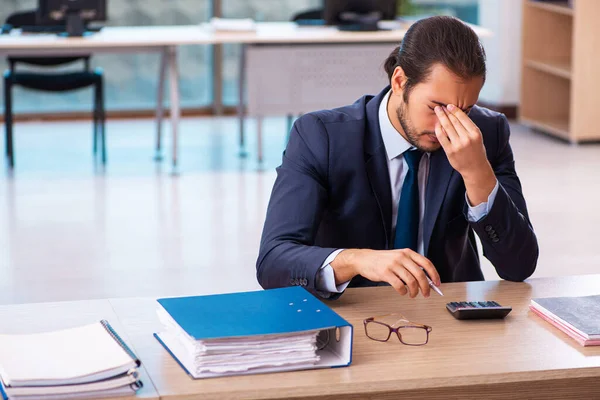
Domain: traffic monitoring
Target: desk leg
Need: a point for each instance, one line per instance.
(174, 89)
(241, 86)
(259, 129)
(160, 96)
(8, 122)
(217, 72)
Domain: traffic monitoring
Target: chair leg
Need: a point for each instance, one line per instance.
(96, 118)
(160, 109)
(102, 118)
(241, 104)
(259, 131)
(8, 122)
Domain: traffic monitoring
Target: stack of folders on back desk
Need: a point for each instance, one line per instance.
(85, 362)
(253, 332)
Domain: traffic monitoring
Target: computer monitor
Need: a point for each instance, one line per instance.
(73, 14)
(361, 15)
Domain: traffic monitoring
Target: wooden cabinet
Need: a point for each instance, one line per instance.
(560, 80)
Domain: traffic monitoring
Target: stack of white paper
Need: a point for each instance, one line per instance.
(230, 356)
(82, 362)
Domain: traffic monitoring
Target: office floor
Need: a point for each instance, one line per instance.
(69, 230)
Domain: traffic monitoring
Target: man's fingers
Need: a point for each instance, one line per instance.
(396, 283)
(446, 124)
(463, 118)
(409, 279)
(462, 132)
(419, 275)
(442, 137)
(427, 266)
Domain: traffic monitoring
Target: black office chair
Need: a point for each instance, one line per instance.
(313, 14)
(51, 82)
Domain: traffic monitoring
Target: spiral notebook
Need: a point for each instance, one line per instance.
(123, 385)
(75, 356)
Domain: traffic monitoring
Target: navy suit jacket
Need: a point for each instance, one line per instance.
(333, 191)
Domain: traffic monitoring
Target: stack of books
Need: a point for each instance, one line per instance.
(575, 316)
(89, 361)
(253, 332)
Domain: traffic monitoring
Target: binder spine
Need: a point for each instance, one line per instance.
(120, 341)
(3, 394)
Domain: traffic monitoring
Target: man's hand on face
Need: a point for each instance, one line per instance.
(462, 141)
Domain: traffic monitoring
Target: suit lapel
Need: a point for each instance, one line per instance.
(440, 173)
(378, 174)
(376, 164)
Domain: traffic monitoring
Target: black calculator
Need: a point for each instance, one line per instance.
(477, 310)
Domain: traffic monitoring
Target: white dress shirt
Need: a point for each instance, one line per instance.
(395, 146)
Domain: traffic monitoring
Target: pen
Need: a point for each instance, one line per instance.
(435, 288)
(431, 285)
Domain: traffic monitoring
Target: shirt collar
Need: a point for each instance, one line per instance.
(394, 142)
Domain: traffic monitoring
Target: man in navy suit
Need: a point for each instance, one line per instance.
(396, 185)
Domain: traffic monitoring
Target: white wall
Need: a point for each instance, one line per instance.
(503, 49)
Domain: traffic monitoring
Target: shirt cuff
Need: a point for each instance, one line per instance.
(325, 283)
(481, 210)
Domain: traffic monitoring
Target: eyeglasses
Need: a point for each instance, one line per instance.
(409, 333)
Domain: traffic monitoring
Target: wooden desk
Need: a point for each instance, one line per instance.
(166, 40)
(464, 359)
(520, 356)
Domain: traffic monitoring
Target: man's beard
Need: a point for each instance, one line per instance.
(412, 136)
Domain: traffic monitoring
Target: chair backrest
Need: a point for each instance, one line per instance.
(316, 13)
(22, 19)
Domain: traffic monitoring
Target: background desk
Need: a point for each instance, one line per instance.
(521, 355)
(166, 39)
